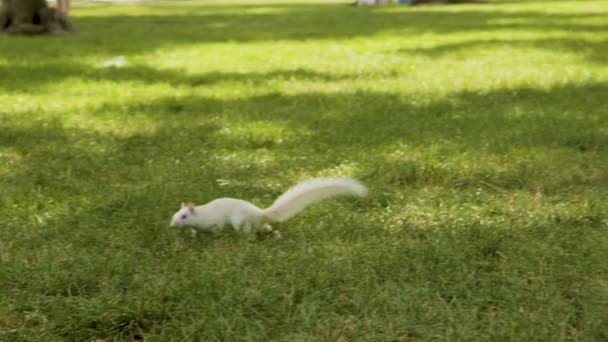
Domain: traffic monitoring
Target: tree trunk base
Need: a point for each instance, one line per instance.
(21, 20)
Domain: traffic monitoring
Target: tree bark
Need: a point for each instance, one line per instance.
(30, 17)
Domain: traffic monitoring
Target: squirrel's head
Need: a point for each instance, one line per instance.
(185, 217)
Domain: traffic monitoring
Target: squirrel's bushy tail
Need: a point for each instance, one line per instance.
(311, 191)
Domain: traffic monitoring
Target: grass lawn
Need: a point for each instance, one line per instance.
(481, 131)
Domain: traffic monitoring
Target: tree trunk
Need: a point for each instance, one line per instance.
(32, 17)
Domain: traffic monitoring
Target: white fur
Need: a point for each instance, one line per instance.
(242, 215)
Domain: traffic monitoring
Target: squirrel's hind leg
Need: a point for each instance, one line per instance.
(246, 227)
(266, 229)
(240, 224)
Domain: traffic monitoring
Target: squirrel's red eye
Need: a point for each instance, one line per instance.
(184, 217)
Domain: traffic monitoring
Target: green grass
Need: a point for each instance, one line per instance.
(481, 131)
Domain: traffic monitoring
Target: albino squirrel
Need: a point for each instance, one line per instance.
(244, 216)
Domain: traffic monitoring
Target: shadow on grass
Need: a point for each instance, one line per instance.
(589, 49)
(184, 25)
(497, 119)
(28, 78)
(201, 132)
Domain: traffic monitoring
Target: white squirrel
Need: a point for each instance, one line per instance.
(244, 216)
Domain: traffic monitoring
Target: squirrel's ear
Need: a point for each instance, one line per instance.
(183, 205)
(191, 208)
